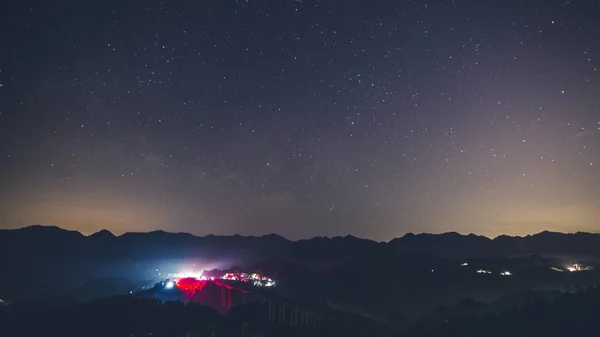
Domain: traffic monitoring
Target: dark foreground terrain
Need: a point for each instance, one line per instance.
(417, 285)
(566, 315)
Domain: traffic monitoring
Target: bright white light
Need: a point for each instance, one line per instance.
(482, 271)
(230, 276)
(578, 267)
(189, 274)
(169, 285)
(506, 273)
(464, 264)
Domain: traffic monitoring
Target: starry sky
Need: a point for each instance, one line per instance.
(301, 117)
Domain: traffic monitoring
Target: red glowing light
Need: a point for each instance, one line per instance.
(190, 284)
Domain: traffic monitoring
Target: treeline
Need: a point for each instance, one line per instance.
(114, 316)
(576, 314)
(133, 317)
(568, 314)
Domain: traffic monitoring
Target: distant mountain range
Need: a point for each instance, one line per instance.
(50, 243)
(50, 262)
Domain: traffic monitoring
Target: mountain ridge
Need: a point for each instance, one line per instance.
(57, 255)
(273, 235)
(53, 241)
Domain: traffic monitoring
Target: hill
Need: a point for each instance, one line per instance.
(346, 272)
(48, 242)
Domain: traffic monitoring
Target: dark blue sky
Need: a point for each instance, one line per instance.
(303, 118)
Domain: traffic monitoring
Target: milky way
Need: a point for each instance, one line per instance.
(302, 118)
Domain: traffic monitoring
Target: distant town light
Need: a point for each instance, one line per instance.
(506, 273)
(199, 278)
(464, 264)
(578, 267)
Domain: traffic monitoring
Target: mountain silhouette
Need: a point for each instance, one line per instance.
(53, 242)
(39, 260)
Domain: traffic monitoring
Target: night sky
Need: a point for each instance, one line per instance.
(300, 117)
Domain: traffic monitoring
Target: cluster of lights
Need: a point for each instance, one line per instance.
(485, 271)
(256, 279)
(577, 267)
(572, 268)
